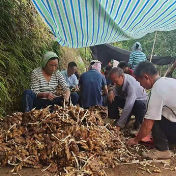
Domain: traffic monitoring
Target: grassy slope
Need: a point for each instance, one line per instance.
(23, 40)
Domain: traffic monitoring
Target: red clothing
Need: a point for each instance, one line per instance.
(130, 72)
(102, 73)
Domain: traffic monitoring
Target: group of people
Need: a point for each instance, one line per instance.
(45, 81)
(123, 86)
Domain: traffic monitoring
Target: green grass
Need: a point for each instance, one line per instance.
(24, 39)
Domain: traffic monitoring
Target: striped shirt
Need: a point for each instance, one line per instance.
(135, 58)
(39, 83)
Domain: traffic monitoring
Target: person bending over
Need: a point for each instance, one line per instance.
(161, 113)
(128, 95)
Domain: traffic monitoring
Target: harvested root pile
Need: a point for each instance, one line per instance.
(100, 110)
(60, 92)
(70, 141)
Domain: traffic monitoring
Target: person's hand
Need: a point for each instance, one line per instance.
(50, 96)
(132, 141)
(111, 96)
(66, 98)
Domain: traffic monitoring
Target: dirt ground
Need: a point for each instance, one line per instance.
(125, 170)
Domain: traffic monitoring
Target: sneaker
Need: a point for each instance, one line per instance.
(134, 132)
(156, 154)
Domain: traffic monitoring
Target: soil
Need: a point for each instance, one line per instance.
(124, 170)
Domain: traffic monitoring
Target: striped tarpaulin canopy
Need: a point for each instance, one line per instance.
(80, 23)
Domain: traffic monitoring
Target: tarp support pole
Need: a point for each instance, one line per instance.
(85, 53)
(153, 46)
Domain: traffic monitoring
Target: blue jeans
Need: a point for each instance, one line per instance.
(30, 100)
(74, 98)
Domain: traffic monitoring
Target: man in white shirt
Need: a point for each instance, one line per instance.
(161, 114)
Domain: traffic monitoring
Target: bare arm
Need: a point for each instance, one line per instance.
(67, 95)
(105, 90)
(109, 87)
(111, 96)
(145, 129)
(64, 85)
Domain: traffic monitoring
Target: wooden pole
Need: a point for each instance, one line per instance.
(168, 70)
(153, 46)
(85, 53)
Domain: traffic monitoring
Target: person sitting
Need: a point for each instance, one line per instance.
(91, 84)
(136, 56)
(128, 95)
(44, 82)
(77, 75)
(124, 66)
(72, 81)
(161, 114)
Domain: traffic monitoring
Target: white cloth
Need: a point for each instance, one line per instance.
(162, 100)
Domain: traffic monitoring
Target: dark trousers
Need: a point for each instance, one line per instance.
(164, 132)
(30, 101)
(139, 110)
(74, 98)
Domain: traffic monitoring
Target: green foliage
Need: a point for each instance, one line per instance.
(24, 39)
(80, 65)
(165, 43)
(85, 54)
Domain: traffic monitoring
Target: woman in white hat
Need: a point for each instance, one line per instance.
(136, 56)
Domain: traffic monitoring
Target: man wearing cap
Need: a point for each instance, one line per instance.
(92, 83)
(44, 82)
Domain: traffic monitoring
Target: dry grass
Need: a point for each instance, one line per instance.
(71, 55)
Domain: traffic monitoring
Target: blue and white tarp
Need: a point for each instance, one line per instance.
(80, 23)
